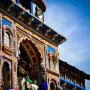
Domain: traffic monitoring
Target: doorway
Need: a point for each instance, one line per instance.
(53, 85)
(30, 55)
(6, 75)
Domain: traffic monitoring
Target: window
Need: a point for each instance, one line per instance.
(7, 39)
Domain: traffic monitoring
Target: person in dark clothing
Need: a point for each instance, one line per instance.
(43, 85)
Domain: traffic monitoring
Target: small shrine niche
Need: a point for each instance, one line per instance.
(52, 60)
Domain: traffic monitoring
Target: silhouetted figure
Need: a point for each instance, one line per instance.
(43, 85)
(21, 74)
(28, 83)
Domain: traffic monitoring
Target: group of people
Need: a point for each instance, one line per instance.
(29, 85)
(25, 83)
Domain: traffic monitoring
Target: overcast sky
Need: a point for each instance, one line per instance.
(71, 18)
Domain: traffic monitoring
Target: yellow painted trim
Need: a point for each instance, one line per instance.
(35, 36)
(9, 19)
(19, 26)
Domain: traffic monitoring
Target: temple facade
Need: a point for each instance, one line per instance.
(72, 78)
(27, 44)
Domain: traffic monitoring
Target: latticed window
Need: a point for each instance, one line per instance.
(7, 39)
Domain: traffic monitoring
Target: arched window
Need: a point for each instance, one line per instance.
(7, 39)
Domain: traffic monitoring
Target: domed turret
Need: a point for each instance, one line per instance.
(40, 4)
(37, 7)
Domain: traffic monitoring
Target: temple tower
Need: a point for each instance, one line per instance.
(26, 41)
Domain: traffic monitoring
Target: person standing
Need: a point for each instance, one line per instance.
(28, 83)
(43, 85)
(34, 85)
(21, 74)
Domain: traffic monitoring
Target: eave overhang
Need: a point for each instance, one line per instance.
(16, 12)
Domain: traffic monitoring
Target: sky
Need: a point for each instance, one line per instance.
(71, 18)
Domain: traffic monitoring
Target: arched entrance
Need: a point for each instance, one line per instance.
(31, 56)
(53, 85)
(6, 75)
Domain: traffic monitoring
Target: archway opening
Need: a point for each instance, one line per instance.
(53, 85)
(31, 59)
(6, 76)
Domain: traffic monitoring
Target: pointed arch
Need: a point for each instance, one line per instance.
(32, 50)
(6, 27)
(53, 84)
(29, 53)
(7, 36)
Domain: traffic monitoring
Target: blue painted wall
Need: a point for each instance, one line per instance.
(50, 49)
(6, 22)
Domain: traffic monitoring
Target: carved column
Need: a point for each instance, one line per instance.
(51, 64)
(15, 79)
(0, 31)
(0, 77)
(45, 53)
(0, 50)
(46, 58)
(15, 55)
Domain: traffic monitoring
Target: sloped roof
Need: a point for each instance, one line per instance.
(40, 28)
(73, 68)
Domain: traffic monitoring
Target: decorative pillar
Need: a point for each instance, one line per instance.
(51, 64)
(0, 77)
(16, 56)
(0, 31)
(0, 51)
